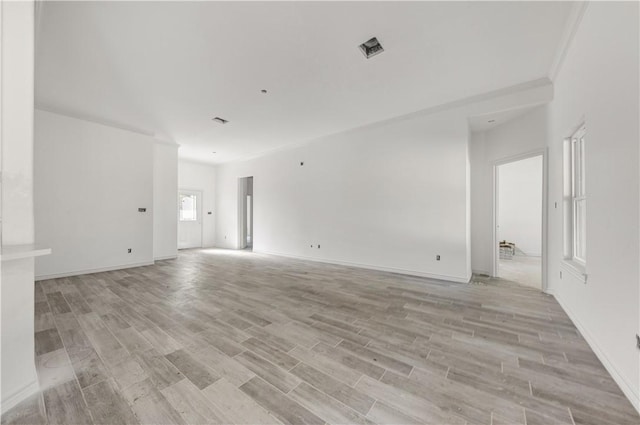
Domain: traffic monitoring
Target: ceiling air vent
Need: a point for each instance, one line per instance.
(371, 48)
(220, 120)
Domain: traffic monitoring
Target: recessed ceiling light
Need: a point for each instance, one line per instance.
(263, 91)
(491, 121)
(220, 120)
(371, 47)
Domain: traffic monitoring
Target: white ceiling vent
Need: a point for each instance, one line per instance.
(220, 120)
(371, 47)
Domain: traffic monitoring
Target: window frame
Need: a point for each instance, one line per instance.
(575, 232)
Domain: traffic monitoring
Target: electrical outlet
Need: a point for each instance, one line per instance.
(129, 250)
(437, 257)
(318, 246)
(638, 341)
(301, 163)
(311, 246)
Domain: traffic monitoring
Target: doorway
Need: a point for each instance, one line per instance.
(245, 213)
(519, 210)
(189, 219)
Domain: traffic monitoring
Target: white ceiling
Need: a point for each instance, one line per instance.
(168, 68)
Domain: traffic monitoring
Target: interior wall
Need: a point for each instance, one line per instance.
(201, 177)
(165, 201)
(598, 85)
(391, 197)
(521, 136)
(520, 204)
(90, 180)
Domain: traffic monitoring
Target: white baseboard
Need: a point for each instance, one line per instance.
(166, 257)
(447, 278)
(89, 271)
(628, 390)
(20, 395)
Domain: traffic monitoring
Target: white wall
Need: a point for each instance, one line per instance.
(201, 177)
(165, 201)
(524, 134)
(598, 83)
(90, 180)
(520, 204)
(17, 364)
(392, 196)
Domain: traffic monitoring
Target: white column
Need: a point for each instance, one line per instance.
(18, 373)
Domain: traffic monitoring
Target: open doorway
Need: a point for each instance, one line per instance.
(245, 213)
(189, 219)
(518, 215)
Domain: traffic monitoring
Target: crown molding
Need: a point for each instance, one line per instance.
(571, 27)
(93, 119)
(196, 162)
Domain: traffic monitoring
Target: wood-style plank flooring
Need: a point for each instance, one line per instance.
(234, 337)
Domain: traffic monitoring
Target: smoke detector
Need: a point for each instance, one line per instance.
(371, 47)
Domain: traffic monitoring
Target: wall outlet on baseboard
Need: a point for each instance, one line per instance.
(318, 246)
(438, 257)
(128, 250)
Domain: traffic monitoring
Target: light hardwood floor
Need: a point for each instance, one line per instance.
(235, 337)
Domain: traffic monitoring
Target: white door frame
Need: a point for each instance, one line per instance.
(495, 249)
(242, 212)
(200, 193)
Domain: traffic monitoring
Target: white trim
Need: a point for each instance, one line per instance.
(495, 250)
(104, 122)
(576, 269)
(619, 378)
(90, 271)
(95, 120)
(20, 395)
(165, 257)
(571, 27)
(443, 277)
(196, 162)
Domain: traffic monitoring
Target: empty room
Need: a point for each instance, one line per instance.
(320, 212)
